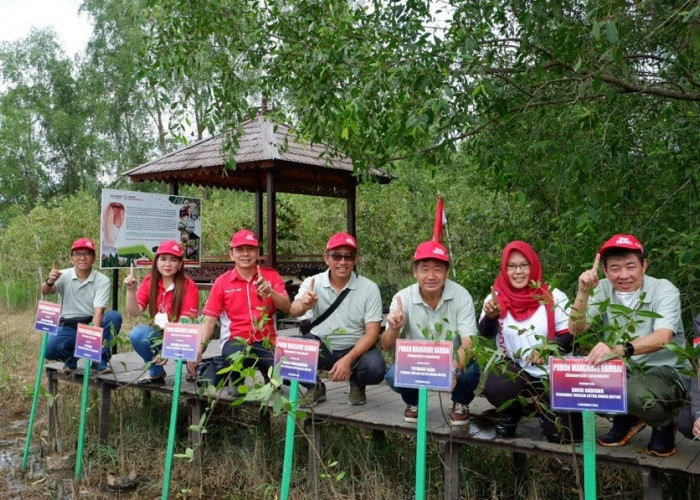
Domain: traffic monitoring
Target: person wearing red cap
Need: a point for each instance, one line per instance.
(688, 420)
(84, 295)
(169, 295)
(441, 306)
(245, 300)
(530, 321)
(655, 383)
(349, 333)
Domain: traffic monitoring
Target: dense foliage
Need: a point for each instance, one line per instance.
(556, 122)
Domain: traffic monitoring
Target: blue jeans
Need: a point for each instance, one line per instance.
(462, 393)
(264, 361)
(143, 338)
(368, 370)
(61, 347)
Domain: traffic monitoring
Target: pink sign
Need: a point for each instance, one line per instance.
(88, 343)
(180, 341)
(48, 315)
(297, 358)
(423, 363)
(576, 386)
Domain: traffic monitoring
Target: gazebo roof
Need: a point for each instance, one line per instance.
(302, 168)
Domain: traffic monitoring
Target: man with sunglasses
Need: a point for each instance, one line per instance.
(348, 335)
(84, 295)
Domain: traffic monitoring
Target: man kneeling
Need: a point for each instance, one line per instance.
(434, 299)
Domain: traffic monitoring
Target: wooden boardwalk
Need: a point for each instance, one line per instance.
(384, 412)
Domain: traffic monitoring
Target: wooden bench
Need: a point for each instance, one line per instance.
(384, 412)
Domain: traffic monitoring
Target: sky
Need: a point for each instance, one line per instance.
(17, 17)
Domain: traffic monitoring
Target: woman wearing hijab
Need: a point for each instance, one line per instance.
(168, 294)
(530, 321)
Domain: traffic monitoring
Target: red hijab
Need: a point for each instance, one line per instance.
(524, 302)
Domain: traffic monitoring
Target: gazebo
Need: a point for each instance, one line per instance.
(269, 160)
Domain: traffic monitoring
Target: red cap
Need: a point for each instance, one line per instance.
(626, 241)
(83, 243)
(341, 240)
(244, 237)
(171, 247)
(431, 250)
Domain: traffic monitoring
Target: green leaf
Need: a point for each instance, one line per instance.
(611, 32)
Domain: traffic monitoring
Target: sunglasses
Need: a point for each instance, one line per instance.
(337, 257)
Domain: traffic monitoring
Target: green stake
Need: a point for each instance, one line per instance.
(589, 479)
(32, 415)
(171, 432)
(83, 418)
(421, 441)
(289, 440)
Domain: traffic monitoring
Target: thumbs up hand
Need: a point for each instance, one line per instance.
(130, 281)
(309, 299)
(396, 318)
(492, 308)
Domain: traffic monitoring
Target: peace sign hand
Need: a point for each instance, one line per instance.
(396, 318)
(130, 281)
(492, 308)
(589, 278)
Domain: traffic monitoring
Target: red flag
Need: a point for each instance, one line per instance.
(440, 221)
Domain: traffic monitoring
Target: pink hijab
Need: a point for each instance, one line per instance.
(523, 302)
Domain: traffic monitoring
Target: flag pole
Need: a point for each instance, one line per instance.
(439, 226)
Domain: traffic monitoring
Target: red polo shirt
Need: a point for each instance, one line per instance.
(235, 301)
(190, 301)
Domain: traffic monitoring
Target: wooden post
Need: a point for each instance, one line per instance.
(313, 430)
(651, 479)
(196, 410)
(350, 203)
(259, 214)
(451, 458)
(53, 409)
(271, 219)
(520, 465)
(105, 409)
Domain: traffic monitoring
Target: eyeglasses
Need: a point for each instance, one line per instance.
(337, 257)
(82, 255)
(521, 267)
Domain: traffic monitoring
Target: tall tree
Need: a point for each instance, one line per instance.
(41, 126)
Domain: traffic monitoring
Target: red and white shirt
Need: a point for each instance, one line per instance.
(190, 300)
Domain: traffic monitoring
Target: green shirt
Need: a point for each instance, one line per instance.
(657, 295)
(454, 313)
(346, 325)
(80, 298)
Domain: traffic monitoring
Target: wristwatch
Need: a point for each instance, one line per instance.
(456, 371)
(49, 284)
(628, 349)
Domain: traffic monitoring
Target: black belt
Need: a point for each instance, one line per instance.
(73, 322)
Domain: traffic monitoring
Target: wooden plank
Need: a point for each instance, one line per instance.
(384, 411)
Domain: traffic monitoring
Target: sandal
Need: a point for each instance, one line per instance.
(147, 380)
(191, 377)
